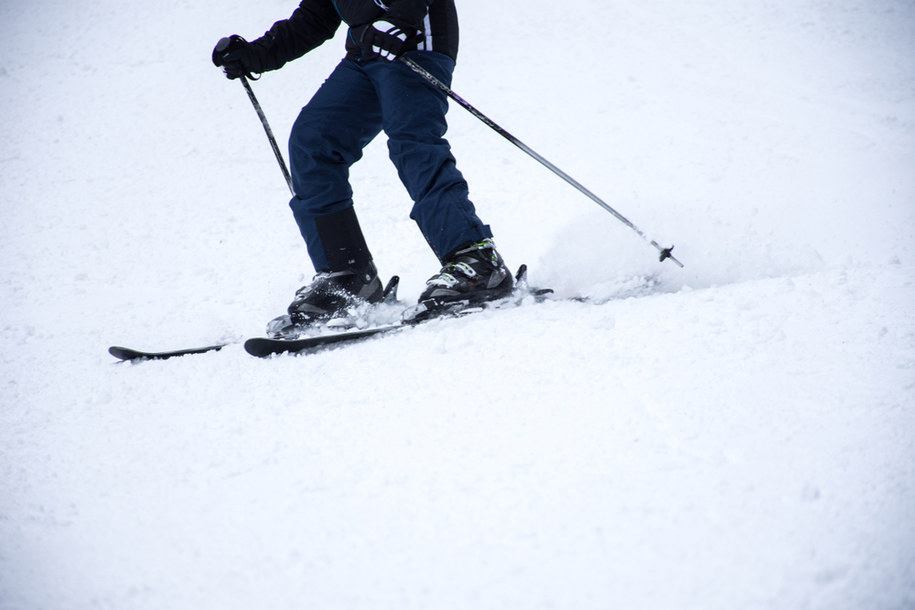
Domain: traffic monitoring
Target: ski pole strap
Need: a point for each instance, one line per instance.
(263, 118)
(665, 253)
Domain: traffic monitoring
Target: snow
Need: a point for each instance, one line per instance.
(740, 436)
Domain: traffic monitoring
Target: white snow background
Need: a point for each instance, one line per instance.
(740, 436)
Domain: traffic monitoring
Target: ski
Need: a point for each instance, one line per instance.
(130, 355)
(263, 347)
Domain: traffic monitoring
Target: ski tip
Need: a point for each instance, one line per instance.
(259, 347)
(124, 353)
(264, 347)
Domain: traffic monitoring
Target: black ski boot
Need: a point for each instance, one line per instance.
(333, 293)
(474, 273)
(330, 295)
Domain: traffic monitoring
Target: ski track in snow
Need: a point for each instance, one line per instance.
(738, 436)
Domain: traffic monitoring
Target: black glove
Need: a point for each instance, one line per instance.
(238, 57)
(388, 39)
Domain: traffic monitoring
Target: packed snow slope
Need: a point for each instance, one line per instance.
(735, 434)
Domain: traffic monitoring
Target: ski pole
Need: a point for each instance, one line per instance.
(665, 252)
(263, 118)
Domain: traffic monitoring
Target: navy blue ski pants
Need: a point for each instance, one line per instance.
(357, 102)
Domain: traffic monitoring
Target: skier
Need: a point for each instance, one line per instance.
(366, 93)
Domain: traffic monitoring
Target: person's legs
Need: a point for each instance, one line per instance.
(346, 113)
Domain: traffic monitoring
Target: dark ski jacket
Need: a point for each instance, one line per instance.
(316, 21)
